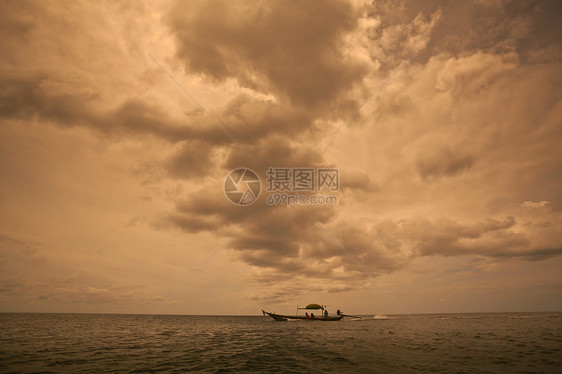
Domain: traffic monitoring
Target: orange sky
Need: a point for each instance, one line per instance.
(111, 189)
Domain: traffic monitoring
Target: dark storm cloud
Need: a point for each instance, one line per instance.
(31, 98)
(284, 229)
(541, 254)
(194, 159)
(389, 245)
(443, 162)
(206, 209)
(47, 95)
(289, 49)
(529, 28)
(278, 238)
(276, 151)
(60, 74)
(276, 229)
(445, 237)
(228, 43)
(252, 120)
(248, 119)
(287, 239)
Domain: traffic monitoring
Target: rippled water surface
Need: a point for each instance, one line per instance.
(496, 343)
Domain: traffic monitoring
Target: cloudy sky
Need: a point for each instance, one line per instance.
(111, 176)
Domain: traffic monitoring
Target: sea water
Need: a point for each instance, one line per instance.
(445, 343)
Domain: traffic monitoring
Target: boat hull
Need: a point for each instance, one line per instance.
(281, 317)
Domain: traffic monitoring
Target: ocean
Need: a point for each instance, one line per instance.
(436, 343)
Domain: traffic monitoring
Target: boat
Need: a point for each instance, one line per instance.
(281, 317)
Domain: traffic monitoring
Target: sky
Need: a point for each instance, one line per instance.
(119, 122)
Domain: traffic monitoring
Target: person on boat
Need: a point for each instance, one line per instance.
(306, 315)
(325, 313)
(312, 315)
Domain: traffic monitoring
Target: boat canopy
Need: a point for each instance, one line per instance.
(313, 306)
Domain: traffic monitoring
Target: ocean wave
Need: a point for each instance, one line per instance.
(381, 316)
